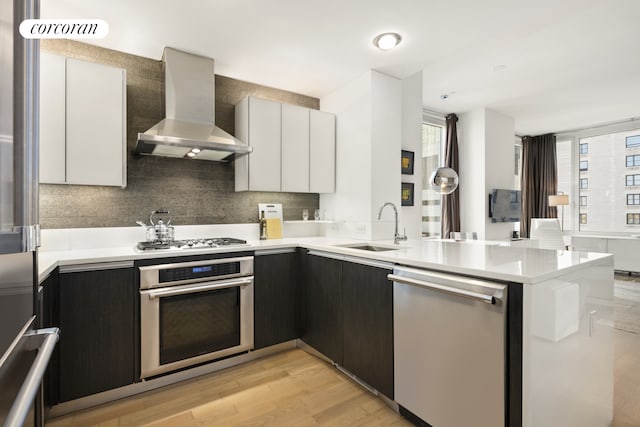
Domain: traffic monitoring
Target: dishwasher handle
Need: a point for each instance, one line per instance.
(476, 296)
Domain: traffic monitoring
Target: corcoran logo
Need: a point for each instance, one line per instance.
(64, 28)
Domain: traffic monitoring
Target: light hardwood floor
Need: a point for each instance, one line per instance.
(296, 389)
(288, 389)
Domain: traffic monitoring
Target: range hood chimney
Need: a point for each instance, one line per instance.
(188, 129)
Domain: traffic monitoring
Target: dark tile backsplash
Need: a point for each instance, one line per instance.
(196, 192)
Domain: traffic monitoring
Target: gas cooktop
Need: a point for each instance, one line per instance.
(214, 242)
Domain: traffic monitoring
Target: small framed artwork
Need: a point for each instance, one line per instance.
(407, 162)
(407, 194)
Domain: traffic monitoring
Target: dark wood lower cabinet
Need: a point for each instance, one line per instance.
(349, 317)
(275, 298)
(97, 331)
(323, 305)
(368, 325)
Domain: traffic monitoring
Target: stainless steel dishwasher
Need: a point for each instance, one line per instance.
(449, 338)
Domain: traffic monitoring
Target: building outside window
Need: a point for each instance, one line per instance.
(584, 148)
(633, 199)
(433, 138)
(633, 160)
(583, 219)
(633, 218)
(583, 200)
(584, 165)
(584, 183)
(633, 141)
(632, 180)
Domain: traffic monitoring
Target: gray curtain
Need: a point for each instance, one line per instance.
(451, 202)
(539, 179)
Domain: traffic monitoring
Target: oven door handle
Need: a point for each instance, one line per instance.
(208, 286)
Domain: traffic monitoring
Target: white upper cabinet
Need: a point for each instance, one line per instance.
(293, 148)
(52, 119)
(82, 122)
(258, 124)
(322, 149)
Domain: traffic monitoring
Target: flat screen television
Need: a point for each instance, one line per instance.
(505, 205)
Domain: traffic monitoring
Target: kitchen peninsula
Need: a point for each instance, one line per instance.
(557, 309)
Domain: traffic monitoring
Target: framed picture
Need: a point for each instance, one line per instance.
(407, 194)
(407, 162)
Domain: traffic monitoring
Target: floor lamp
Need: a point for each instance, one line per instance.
(559, 200)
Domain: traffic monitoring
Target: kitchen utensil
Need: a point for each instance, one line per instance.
(164, 231)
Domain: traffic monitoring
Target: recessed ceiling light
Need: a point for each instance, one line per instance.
(195, 150)
(191, 154)
(387, 41)
(499, 67)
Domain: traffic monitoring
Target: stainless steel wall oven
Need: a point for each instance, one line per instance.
(193, 312)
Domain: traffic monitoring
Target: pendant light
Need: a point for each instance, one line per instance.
(444, 180)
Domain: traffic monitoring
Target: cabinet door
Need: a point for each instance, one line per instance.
(295, 149)
(275, 298)
(52, 119)
(95, 122)
(322, 149)
(323, 306)
(49, 318)
(264, 137)
(97, 311)
(368, 325)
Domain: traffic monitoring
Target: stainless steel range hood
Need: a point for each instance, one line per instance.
(189, 129)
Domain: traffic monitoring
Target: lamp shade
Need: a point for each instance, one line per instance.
(444, 180)
(559, 200)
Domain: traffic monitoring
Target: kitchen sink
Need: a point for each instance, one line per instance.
(369, 247)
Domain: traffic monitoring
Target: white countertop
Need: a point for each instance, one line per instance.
(491, 260)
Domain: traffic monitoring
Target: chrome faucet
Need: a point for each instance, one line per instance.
(396, 236)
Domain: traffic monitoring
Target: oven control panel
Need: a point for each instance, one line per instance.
(157, 276)
(198, 272)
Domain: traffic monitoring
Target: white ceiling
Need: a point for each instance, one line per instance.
(565, 64)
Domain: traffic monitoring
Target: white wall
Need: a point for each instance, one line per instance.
(350, 202)
(368, 142)
(411, 216)
(473, 201)
(386, 139)
(499, 165)
(486, 145)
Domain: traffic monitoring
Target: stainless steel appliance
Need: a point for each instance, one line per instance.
(189, 129)
(197, 243)
(24, 350)
(194, 312)
(450, 344)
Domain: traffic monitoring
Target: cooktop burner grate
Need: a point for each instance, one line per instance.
(214, 242)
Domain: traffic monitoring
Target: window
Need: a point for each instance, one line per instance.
(584, 183)
(613, 162)
(633, 141)
(583, 200)
(564, 156)
(517, 158)
(632, 180)
(633, 160)
(433, 134)
(633, 218)
(633, 199)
